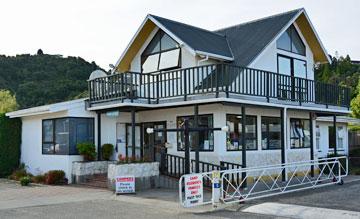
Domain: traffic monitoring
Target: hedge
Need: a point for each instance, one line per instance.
(10, 140)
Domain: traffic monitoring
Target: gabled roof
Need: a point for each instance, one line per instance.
(247, 40)
(240, 43)
(200, 40)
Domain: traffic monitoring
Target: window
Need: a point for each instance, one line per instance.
(340, 137)
(270, 133)
(291, 41)
(318, 138)
(61, 135)
(291, 66)
(162, 53)
(299, 133)
(234, 136)
(331, 137)
(205, 138)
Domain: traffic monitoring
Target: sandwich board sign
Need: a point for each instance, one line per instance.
(193, 190)
(125, 184)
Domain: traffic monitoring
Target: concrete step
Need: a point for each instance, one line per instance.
(98, 181)
(168, 182)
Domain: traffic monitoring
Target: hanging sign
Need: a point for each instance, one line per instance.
(125, 184)
(193, 190)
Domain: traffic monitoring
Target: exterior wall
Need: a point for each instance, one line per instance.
(31, 146)
(258, 157)
(267, 60)
(324, 149)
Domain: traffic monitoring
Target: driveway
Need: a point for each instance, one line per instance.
(79, 202)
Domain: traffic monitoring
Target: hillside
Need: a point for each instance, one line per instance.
(42, 79)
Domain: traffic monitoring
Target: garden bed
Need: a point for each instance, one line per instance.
(146, 174)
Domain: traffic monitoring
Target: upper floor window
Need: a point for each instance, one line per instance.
(60, 136)
(291, 41)
(162, 53)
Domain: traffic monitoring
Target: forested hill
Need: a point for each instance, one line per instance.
(42, 79)
(341, 71)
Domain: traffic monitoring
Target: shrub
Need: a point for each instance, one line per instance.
(38, 179)
(87, 150)
(107, 151)
(24, 181)
(55, 177)
(10, 140)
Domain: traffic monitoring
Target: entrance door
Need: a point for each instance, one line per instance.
(155, 142)
(290, 88)
(138, 143)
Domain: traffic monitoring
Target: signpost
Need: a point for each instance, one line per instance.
(194, 194)
(125, 184)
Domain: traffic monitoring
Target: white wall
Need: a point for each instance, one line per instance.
(31, 146)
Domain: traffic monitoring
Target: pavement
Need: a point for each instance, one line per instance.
(79, 202)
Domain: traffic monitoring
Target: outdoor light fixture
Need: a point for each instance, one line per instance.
(225, 128)
(149, 130)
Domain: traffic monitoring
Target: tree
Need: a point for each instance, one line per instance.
(40, 52)
(355, 103)
(7, 102)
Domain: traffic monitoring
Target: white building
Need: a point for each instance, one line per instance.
(170, 72)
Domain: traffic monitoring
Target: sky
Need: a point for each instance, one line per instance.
(100, 30)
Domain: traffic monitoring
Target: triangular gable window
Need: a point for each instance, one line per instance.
(291, 41)
(162, 53)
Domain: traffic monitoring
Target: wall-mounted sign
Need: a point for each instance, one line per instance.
(112, 113)
(193, 190)
(125, 184)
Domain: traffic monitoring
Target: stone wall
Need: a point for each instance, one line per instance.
(146, 174)
(81, 171)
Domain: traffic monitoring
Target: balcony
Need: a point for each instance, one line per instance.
(214, 81)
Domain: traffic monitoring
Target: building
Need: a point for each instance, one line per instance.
(260, 73)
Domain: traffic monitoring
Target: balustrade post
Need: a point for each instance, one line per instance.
(216, 80)
(267, 86)
(148, 88)
(157, 88)
(185, 85)
(300, 91)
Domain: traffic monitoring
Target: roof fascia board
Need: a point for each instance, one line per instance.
(214, 55)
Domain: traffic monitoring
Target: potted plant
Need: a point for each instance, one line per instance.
(107, 151)
(87, 150)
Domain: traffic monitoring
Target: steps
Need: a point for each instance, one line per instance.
(96, 181)
(168, 182)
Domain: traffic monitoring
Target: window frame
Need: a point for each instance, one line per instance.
(192, 150)
(292, 73)
(256, 133)
(267, 131)
(291, 41)
(54, 135)
(143, 57)
(301, 147)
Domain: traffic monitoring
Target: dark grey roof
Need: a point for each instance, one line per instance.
(241, 42)
(249, 39)
(197, 38)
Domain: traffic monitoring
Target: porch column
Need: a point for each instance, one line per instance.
(98, 135)
(133, 133)
(335, 136)
(282, 141)
(187, 147)
(311, 115)
(243, 143)
(197, 146)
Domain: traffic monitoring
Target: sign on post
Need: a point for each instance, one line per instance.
(216, 187)
(193, 190)
(125, 184)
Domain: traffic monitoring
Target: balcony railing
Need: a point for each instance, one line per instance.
(215, 79)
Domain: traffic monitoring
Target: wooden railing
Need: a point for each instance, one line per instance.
(215, 79)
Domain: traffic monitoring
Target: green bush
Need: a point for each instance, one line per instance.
(18, 174)
(87, 150)
(55, 177)
(107, 151)
(10, 140)
(25, 181)
(38, 179)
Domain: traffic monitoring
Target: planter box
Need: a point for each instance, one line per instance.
(82, 171)
(146, 174)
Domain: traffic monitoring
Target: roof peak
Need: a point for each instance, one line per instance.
(260, 19)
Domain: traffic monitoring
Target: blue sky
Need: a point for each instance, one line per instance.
(100, 30)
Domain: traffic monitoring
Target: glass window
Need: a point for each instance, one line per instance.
(60, 136)
(332, 138)
(270, 133)
(340, 133)
(299, 133)
(290, 41)
(205, 138)
(299, 68)
(234, 136)
(284, 65)
(162, 53)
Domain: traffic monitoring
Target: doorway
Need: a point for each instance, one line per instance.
(154, 143)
